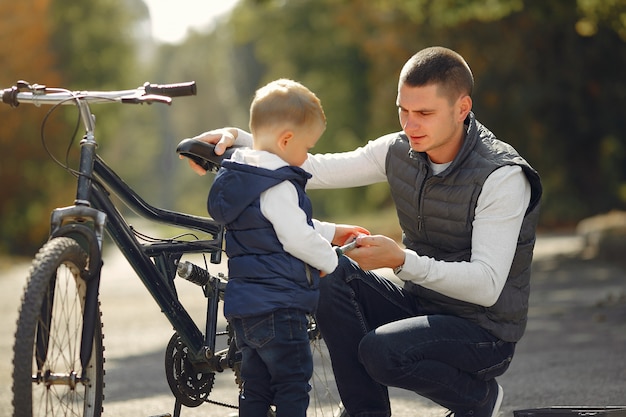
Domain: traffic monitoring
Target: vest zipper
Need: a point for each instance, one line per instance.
(420, 218)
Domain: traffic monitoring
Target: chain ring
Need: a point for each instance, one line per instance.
(190, 387)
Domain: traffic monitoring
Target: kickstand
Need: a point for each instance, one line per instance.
(177, 407)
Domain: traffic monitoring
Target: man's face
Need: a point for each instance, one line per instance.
(431, 121)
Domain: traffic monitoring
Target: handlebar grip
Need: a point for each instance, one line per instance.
(171, 90)
(9, 96)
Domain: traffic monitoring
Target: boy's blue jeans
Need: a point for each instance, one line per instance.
(276, 365)
(378, 336)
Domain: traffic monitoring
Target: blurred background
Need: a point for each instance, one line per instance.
(550, 80)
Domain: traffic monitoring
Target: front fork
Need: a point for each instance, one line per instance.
(86, 226)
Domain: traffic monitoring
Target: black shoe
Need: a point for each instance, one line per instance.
(491, 406)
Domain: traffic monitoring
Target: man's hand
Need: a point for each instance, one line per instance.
(222, 138)
(373, 252)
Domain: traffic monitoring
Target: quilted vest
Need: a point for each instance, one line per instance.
(436, 214)
(263, 277)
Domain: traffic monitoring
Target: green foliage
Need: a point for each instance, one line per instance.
(27, 181)
(92, 42)
(449, 13)
(597, 13)
(76, 45)
(549, 80)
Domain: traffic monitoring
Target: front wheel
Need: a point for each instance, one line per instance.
(48, 379)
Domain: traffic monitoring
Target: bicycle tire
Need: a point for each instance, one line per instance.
(52, 388)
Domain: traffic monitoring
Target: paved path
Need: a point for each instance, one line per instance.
(572, 354)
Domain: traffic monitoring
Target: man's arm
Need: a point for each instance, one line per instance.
(363, 166)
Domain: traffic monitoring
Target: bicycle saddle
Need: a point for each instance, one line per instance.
(203, 153)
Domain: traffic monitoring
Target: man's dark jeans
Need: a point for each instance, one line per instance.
(378, 336)
(277, 363)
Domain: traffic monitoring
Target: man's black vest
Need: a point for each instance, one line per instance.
(436, 214)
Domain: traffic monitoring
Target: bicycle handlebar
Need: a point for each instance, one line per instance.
(37, 94)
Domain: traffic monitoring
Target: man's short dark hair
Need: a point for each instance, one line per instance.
(440, 66)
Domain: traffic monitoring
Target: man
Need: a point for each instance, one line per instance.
(468, 207)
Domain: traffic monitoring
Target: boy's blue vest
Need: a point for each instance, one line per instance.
(262, 276)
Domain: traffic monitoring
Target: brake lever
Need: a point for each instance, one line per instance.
(146, 98)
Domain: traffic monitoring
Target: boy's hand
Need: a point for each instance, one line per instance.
(345, 233)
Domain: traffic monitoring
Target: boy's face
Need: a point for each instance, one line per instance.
(297, 143)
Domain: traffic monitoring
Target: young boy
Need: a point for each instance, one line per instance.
(276, 251)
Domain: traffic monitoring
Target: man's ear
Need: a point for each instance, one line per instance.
(465, 106)
(284, 138)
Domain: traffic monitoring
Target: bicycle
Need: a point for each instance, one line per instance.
(58, 362)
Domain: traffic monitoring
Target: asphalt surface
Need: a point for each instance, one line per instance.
(573, 352)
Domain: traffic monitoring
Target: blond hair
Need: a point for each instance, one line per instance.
(285, 102)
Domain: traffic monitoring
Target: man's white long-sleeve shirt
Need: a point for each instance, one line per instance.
(498, 218)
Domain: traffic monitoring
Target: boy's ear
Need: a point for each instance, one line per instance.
(284, 138)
